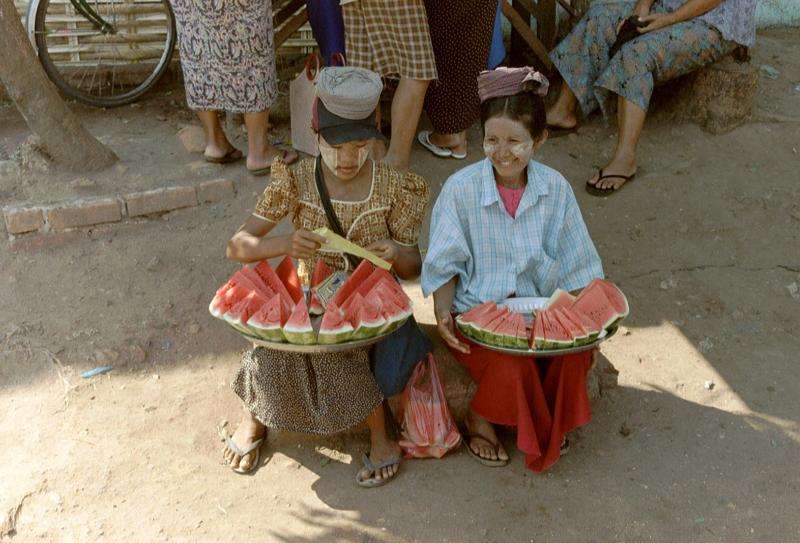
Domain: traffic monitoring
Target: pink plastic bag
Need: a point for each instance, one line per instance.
(428, 428)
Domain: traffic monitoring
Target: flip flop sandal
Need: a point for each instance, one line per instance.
(372, 482)
(255, 446)
(595, 191)
(424, 139)
(266, 169)
(564, 447)
(485, 461)
(554, 131)
(233, 155)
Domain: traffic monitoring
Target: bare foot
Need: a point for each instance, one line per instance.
(483, 446)
(249, 431)
(381, 449)
(617, 166)
(263, 159)
(455, 142)
(221, 149)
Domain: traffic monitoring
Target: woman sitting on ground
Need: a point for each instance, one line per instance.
(380, 209)
(674, 38)
(510, 226)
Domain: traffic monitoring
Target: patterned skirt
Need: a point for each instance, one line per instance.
(452, 102)
(389, 37)
(227, 54)
(315, 394)
(582, 58)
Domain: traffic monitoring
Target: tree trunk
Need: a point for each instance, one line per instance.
(62, 136)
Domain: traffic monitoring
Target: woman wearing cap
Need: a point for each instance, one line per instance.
(228, 62)
(380, 209)
(510, 226)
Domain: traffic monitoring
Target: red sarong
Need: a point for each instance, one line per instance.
(544, 398)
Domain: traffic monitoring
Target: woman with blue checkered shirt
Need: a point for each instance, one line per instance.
(510, 226)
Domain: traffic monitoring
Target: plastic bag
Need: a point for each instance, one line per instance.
(428, 428)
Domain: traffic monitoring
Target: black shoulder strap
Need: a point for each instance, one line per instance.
(333, 220)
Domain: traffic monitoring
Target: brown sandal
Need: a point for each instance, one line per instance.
(594, 190)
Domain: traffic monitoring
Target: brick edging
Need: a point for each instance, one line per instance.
(82, 212)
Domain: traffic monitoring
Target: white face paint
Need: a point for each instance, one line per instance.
(508, 144)
(338, 164)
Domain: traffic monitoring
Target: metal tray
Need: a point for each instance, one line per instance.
(316, 348)
(547, 353)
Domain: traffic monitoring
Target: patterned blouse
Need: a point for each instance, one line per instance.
(393, 210)
(735, 19)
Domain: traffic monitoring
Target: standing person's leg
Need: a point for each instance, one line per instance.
(648, 60)
(406, 109)
(260, 152)
(218, 148)
(581, 57)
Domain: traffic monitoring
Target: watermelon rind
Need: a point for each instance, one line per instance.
(268, 332)
(486, 334)
(299, 335)
(550, 323)
(340, 334)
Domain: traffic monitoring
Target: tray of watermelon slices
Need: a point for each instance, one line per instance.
(562, 324)
(270, 308)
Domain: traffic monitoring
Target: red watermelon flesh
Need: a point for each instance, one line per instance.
(560, 298)
(500, 330)
(335, 326)
(271, 279)
(470, 322)
(574, 327)
(360, 275)
(374, 278)
(485, 333)
(223, 302)
(255, 281)
(268, 321)
(519, 337)
(392, 313)
(556, 336)
(372, 319)
(216, 305)
(592, 330)
(239, 314)
(287, 273)
(298, 327)
(615, 296)
(351, 308)
(321, 272)
(594, 303)
(538, 339)
(400, 297)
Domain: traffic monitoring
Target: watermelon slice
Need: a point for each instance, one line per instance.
(591, 329)
(555, 335)
(519, 337)
(255, 281)
(472, 321)
(579, 335)
(560, 298)
(537, 338)
(374, 278)
(352, 308)
(238, 315)
(360, 274)
(504, 330)
(298, 327)
(393, 288)
(287, 273)
(268, 321)
(393, 315)
(271, 279)
(486, 333)
(615, 296)
(226, 299)
(335, 326)
(371, 317)
(594, 303)
(321, 272)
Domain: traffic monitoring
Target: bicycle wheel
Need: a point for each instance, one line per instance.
(109, 54)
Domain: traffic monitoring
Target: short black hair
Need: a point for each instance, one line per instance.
(526, 107)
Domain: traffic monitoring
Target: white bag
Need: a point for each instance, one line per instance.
(301, 99)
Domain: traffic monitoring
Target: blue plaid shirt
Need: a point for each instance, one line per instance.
(495, 256)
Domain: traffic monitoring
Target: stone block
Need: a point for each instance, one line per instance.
(160, 200)
(214, 191)
(192, 138)
(77, 213)
(719, 97)
(23, 219)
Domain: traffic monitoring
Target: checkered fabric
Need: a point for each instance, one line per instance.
(495, 256)
(389, 37)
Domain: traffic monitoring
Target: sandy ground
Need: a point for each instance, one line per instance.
(699, 442)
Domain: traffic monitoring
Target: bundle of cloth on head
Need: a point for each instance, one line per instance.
(504, 81)
(345, 104)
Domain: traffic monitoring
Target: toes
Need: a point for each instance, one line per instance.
(246, 462)
(502, 454)
(235, 460)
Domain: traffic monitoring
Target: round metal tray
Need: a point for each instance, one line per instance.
(547, 353)
(316, 348)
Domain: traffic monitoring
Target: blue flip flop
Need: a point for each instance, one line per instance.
(372, 482)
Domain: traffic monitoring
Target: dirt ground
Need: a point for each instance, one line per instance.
(700, 441)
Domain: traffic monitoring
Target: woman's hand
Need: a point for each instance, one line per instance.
(386, 249)
(446, 327)
(303, 244)
(656, 21)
